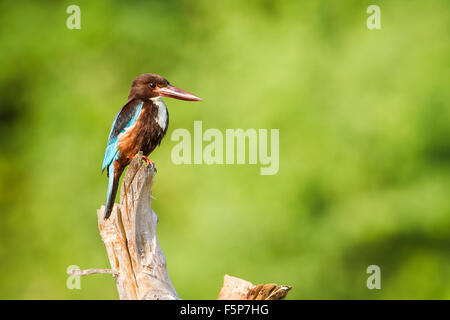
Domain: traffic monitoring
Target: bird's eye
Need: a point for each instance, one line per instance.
(153, 85)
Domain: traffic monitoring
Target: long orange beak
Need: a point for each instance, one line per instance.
(177, 93)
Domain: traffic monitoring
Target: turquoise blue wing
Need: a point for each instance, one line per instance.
(126, 117)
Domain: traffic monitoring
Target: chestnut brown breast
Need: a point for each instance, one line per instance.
(145, 134)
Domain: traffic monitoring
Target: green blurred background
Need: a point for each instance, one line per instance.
(364, 143)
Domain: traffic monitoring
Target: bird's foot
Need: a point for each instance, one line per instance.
(152, 164)
(147, 160)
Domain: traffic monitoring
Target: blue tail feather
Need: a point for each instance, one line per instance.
(112, 190)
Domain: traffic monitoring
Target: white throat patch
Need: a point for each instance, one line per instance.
(161, 117)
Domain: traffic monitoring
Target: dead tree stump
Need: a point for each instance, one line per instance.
(137, 261)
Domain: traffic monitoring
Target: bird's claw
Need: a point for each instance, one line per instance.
(151, 163)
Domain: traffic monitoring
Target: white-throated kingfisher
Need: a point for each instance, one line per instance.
(139, 126)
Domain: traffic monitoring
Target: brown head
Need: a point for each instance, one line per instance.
(150, 85)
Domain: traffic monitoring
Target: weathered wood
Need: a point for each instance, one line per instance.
(237, 289)
(131, 240)
(137, 261)
(86, 272)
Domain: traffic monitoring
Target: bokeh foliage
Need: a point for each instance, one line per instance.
(364, 125)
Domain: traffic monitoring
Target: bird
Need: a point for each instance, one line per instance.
(140, 125)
